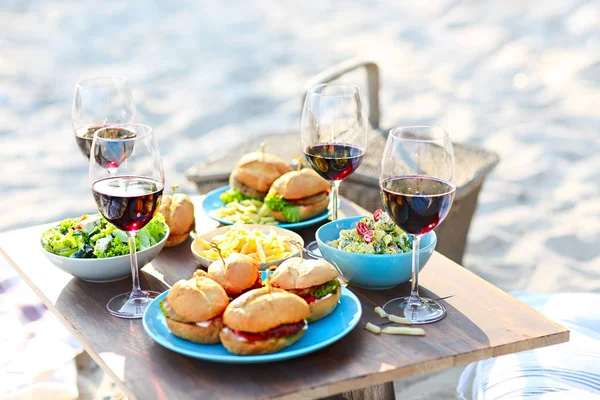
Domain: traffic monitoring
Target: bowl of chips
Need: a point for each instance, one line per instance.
(268, 245)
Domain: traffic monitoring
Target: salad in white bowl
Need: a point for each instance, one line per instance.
(92, 249)
(91, 236)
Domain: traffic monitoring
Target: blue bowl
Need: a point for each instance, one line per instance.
(371, 271)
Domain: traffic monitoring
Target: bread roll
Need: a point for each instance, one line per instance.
(298, 273)
(258, 170)
(239, 273)
(197, 299)
(299, 184)
(259, 311)
(178, 211)
(234, 345)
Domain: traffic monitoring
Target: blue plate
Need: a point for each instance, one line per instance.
(318, 334)
(212, 202)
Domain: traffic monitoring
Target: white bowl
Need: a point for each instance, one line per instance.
(251, 227)
(101, 270)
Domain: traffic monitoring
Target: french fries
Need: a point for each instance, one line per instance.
(258, 245)
(394, 318)
(373, 328)
(401, 330)
(245, 212)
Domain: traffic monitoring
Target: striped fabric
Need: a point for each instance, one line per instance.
(566, 371)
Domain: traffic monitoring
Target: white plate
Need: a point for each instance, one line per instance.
(252, 227)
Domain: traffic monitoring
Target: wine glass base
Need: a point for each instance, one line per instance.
(425, 312)
(123, 306)
(312, 249)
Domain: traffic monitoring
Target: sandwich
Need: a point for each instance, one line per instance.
(313, 280)
(263, 322)
(239, 274)
(193, 309)
(253, 176)
(298, 195)
(178, 211)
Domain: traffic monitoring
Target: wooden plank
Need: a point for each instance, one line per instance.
(482, 322)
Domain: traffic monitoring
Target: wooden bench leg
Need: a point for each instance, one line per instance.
(377, 392)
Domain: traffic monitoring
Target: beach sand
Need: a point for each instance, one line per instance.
(521, 79)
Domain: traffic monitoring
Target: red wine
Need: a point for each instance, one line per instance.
(110, 154)
(417, 204)
(334, 161)
(128, 202)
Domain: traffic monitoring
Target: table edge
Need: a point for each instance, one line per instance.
(560, 336)
(444, 363)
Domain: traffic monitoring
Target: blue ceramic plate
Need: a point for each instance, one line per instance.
(212, 202)
(318, 334)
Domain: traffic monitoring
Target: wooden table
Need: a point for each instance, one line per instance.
(482, 322)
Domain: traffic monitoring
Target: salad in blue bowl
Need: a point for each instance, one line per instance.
(372, 252)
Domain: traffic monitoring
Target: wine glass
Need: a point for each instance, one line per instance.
(99, 102)
(417, 189)
(334, 137)
(127, 180)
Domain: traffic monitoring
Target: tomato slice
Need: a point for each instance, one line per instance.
(362, 228)
(310, 299)
(368, 236)
(281, 330)
(377, 214)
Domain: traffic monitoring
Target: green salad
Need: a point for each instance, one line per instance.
(290, 211)
(231, 195)
(377, 234)
(92, 236)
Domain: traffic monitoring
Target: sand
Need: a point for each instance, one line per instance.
(521, 79)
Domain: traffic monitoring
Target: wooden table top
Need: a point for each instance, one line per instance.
(482, 322)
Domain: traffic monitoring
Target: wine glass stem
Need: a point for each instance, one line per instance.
(136, 291)
(335, 188)
(414, 290)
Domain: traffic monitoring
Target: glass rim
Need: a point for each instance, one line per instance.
(433, 128)
(124, 126)
(356, 90)
(84, 82)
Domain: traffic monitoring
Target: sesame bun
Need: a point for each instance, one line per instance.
(178, 211)
(239, 273)
(234, 345)
(197, 299)
(260, 310)
(324, 306)
(205, 333)
(258, 171)
(298, 273)
(299, 184)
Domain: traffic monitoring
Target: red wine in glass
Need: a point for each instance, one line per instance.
(128, 202)
(417, 203)
(334, 161)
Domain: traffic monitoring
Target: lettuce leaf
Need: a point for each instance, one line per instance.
(290, 211)
(65, 240)
(114, 249)
(235, 195)
(156, 230)
(162, 308)
(326, 288)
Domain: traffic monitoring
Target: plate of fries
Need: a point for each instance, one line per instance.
(268, 245)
